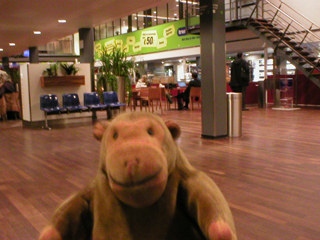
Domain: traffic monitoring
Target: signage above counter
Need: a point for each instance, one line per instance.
(168, 36)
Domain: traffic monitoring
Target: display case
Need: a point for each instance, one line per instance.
(262, 68)
(290, 68)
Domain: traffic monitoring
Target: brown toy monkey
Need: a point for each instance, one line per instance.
(145, 189)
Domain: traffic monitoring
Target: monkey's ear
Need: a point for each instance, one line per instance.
(99, 129)
(174, 129)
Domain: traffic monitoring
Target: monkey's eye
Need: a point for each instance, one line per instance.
(150, 131)
(115, 135)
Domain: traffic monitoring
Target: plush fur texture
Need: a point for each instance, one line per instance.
(145, 189)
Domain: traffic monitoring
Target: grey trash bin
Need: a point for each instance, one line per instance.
(234, 114)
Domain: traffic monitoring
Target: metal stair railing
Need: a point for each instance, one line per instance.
(300, 35)
(238, 9)
(305, 37)
(234, 9)
(288, 45)
(277, 13)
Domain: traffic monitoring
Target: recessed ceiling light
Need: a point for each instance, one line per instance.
(36, 32)
(12, 44)
(62, 21)
(1, 49)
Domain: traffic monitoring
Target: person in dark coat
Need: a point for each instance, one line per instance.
(195, 82)
(240, 78)
(6, 86)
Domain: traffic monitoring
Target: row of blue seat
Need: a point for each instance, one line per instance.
(49, 103)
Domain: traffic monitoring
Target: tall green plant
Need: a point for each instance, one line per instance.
(106, 77)
(121, 66)
(115, 63)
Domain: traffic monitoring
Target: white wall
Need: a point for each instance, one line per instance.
(25, 92)
(31, 91)
(308, 8)
(181, 71)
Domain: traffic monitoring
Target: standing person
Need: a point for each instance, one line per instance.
(6, 86)
(195, 82)
(240, 78)
(137, 75)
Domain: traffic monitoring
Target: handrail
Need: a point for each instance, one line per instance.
(235, 5)
(292, 19)
(300, 14)
(294, 50)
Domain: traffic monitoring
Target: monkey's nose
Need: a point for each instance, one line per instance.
(133, 161)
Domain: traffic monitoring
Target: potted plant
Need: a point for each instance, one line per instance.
(70, 69)
(52, 71)
(115, 71)
(50, 76)
(106, 77)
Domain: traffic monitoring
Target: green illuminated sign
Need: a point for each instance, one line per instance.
(163, 37)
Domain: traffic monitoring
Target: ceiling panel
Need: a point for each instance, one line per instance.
(19, 18)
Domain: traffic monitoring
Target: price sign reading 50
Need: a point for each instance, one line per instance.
(148, 41)
(149, 38)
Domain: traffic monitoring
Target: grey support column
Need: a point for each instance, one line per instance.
(5, 64)
(33, 55)
(87, 49)
(213, 65)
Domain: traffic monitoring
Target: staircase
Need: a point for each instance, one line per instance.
(288, 37)
(293, 38)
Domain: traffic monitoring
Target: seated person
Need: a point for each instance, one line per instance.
(6, 86)
(142, 82)
(195, 82)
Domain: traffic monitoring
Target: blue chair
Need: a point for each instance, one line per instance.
(71, 103)
(50, 105)
(92, 101)
(111, 99)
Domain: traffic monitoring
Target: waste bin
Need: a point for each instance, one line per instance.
(234, 114)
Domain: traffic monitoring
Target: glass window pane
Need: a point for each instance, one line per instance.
(124, 25)
(162, 14)
(173, 9)
(147, 18)
(96, 33)
(103, 31)
(135, 22)
(154, 14)
(109, 29)
(141, 21)
(193, 7)
(117, 30)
